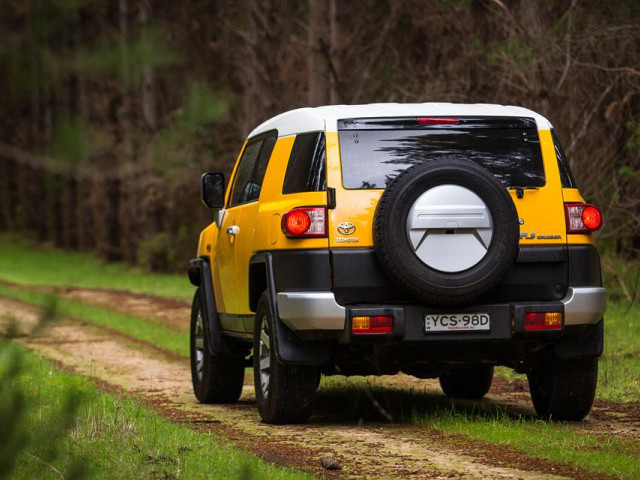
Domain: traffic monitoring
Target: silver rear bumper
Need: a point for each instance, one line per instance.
(584, 305)
(320, 311)
(311, 311)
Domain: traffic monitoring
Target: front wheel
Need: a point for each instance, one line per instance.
(471, 383)
(563, 389)
(216, 379)
(284, 393)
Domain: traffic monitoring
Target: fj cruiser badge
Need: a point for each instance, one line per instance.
(533, 236)
(346, 228)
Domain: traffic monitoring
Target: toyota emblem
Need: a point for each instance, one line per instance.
(346, 228)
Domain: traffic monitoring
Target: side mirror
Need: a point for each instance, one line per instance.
(213, 190)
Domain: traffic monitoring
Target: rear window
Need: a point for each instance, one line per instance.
(306, 168)
(375, 152)
(563, 164)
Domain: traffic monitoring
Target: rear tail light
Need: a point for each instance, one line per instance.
(305, 222)
(372, 324)
(582, 217)
(542, 321)
(438, 120)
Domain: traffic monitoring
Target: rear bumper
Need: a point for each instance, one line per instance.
(319, 311)
(584, 305)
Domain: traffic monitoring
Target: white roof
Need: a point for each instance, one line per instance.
(326, 118)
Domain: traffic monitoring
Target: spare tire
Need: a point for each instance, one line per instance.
(446, 231)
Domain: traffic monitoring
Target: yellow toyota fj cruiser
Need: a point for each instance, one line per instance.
(432, 239)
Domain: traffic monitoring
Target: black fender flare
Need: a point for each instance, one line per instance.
(199, 271)
(289, 348)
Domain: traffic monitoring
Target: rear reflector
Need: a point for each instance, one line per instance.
(438, 120)
(582, 217)
(543, 321)
(372, 324)
(305, 222)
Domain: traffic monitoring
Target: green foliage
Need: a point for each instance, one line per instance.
(110, 57)
(70, 141)
(189, 134)
(633, 143)
(514, 53)
(157, 253)
(20, 404)
(160, 253)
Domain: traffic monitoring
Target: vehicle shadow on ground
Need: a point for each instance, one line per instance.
(357, 405)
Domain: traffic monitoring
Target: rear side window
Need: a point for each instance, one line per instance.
(372, 156)
(563, 164)
(306, 168)
(253, 166)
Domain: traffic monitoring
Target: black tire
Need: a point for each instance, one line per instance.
(403, 266)
(290, 391)
(220, 378)
(471, 383)
(563, 389)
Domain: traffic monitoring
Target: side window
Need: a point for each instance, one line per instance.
(563, 164)
(253, 165)
(306, 168)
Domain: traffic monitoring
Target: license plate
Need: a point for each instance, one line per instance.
(457, 322)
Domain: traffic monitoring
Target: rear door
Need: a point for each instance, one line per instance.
(366, 154)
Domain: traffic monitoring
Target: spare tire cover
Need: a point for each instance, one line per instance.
(446, 231)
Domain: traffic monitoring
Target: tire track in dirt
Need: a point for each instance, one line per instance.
(417, 452)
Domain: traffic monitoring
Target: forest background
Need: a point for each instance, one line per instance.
(111, 110)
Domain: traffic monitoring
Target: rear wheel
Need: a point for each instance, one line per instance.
(284, 393)
(216, 379)
(470, 383)
(563, 389)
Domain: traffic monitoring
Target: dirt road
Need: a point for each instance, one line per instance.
(357, 438)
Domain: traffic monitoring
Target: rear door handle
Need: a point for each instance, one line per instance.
(233, 230)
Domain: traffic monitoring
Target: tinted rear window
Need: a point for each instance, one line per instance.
(371, 157)
(563, 164)
(306, 168)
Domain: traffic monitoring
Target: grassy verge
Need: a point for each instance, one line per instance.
(619, 376)
(536, 438)
(107, 437)
(130, 326)
(24, 263)
(485, 421)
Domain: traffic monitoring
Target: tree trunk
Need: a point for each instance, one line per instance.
(148, 81)
(125, 108)
(335, 52)
(316, 61)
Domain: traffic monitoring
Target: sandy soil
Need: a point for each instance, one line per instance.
(364, 446)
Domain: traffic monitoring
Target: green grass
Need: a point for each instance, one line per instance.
(536, 438)
(135, 327)
(619, 374)
(25, 263)
(108, 437)
(485, 421)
